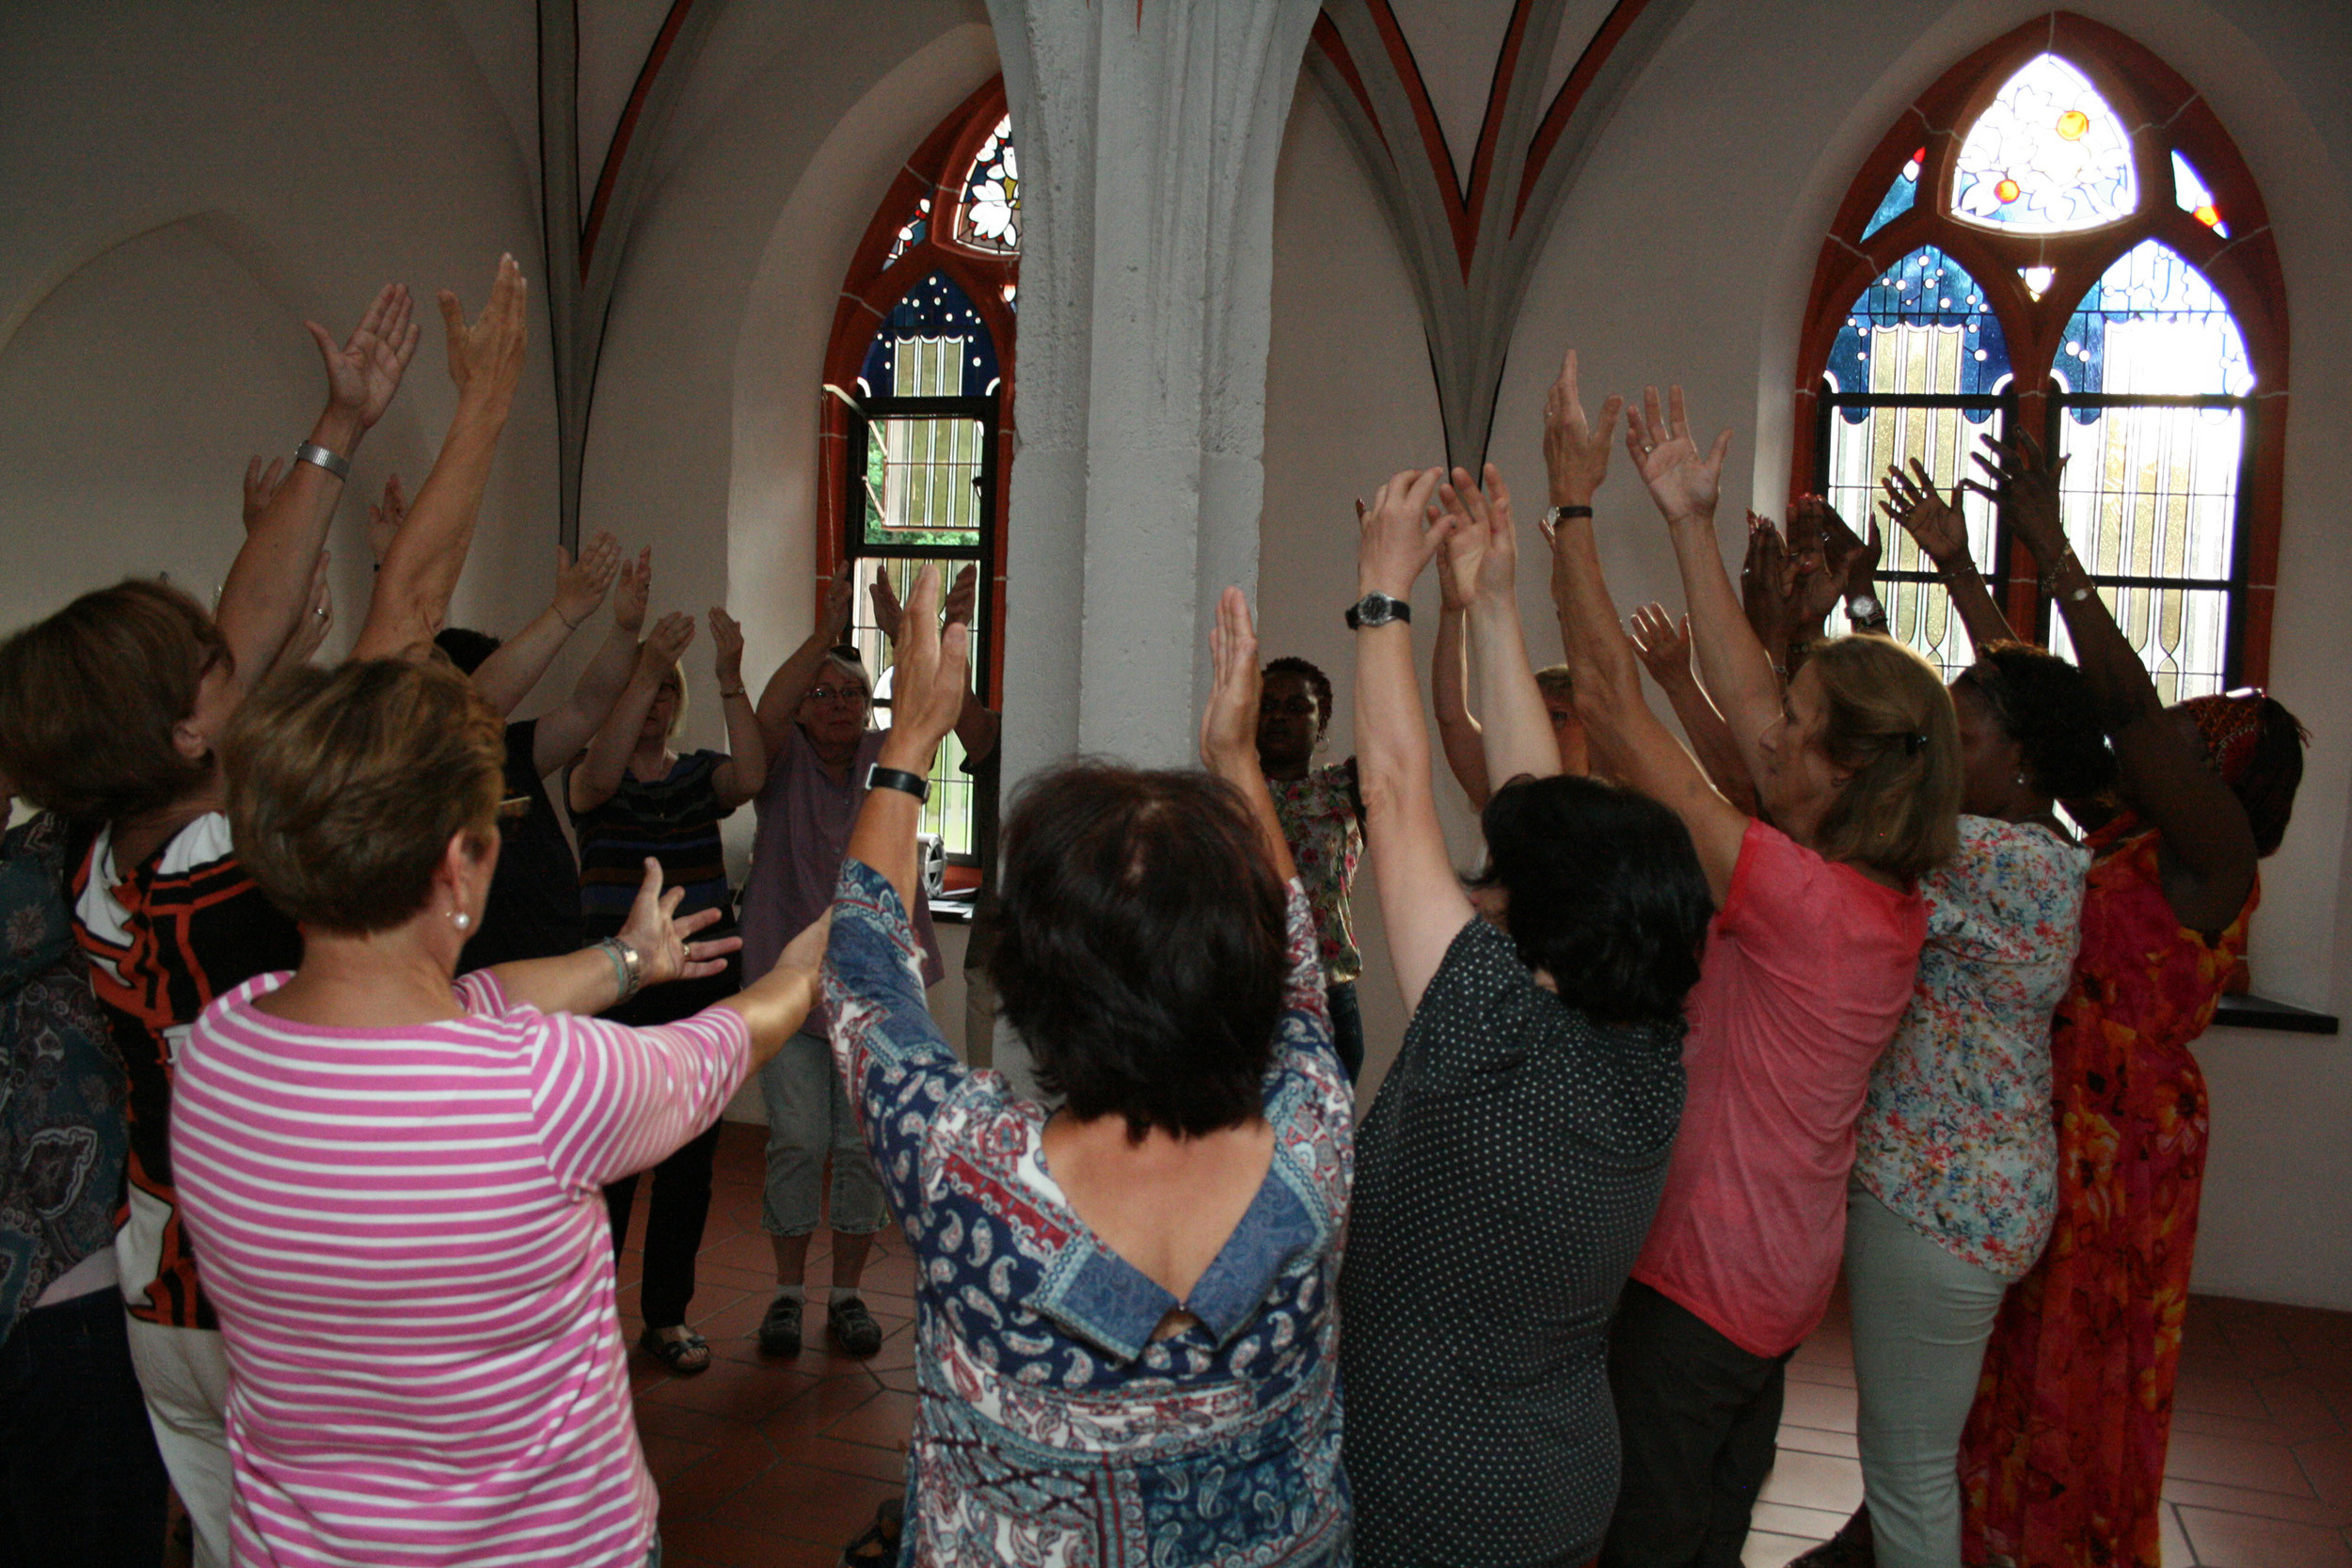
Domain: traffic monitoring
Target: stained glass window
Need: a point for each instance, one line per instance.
(2194, 199)
(2152, 325)
(911, 234)
(1921, 326)
(1900, 195)
(990, 218)
(933, 344)
(2047, 156)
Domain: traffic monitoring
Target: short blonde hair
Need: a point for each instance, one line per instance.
(345, 786)
(1888, 722)
(1558, 682)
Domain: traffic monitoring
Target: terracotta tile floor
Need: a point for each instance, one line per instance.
(764, 1462)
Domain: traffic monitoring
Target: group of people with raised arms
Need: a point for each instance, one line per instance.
(1832, 986)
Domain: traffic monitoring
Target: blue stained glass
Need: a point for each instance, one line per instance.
(1899, 197)
(1931, 329)
(936, 310)
(2152, 325)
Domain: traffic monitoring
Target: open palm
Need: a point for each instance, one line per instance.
(364, 371)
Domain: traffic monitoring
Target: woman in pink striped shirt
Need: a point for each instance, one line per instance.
(393, 1177)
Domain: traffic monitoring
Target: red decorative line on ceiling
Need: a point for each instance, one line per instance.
(1605, 40)
(1432, 134)
(1326, 38)
(627, 128)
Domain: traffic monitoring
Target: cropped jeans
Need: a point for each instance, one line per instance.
(809, 1118)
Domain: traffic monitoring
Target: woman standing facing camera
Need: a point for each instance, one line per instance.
(394, 1177)
(1512, 1162)
(1323, 816)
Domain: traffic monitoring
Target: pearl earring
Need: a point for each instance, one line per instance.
(461, 919)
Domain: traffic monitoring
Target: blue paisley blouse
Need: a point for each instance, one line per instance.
(1051, 1427)
(1958, 1135)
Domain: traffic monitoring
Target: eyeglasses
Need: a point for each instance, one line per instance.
(851, 695)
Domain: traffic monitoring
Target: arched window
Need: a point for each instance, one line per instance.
(917, 379)
(2059, 239)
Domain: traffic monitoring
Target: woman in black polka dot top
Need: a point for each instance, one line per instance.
(1508, 1170)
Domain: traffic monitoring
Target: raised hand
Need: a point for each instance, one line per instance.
(385, 518)
(485, 358)
(2026, 481)
(1683, 484)
(727, 649)
(1767, 587)
(1832, 552)
(1401, 529)
(661, 940)
(364, 372)
(1576, 454)
(630, 591)
(1912, 500)
(260, 486)
(840, 599)
(670, 636)
(889, 614)
(580, 585)
(1662, 642)
(1481, 548)
(926, 692)
(1228, 721)
(963, 594)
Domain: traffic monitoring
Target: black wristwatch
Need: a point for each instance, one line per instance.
(1377, 608)
(879, 777)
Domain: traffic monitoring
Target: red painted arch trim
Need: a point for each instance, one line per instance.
(1326, 36)
(627, 128)
(1433, 147)
(1604, 43)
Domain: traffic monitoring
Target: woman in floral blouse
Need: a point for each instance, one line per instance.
(1126, 1341)
(1321, 813)
(1956, 1155)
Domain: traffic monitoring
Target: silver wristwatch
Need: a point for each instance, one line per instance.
(1377, 608)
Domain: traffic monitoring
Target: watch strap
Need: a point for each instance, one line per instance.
(879, 777)
(1377, 609)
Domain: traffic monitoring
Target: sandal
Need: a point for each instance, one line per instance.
(687, 1355)
(878, 1546)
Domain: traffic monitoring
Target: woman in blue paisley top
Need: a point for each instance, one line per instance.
(1126, 1337)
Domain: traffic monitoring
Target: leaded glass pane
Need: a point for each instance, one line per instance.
(948, 812)
(922, 481)
(911, 231)
(1921, 326)
(2152, 326)
(2194, 199)
(2047, 156)
(933, 344)
(990, 218)
(1900, 195)
(2182, 635)
(1919, 612)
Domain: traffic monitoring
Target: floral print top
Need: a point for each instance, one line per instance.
(1957, 1135)
(1323, 823)
(1052, 1428)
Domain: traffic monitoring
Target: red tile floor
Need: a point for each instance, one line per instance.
(765, 1462)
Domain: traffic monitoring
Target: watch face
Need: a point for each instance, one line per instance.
(1864, 607)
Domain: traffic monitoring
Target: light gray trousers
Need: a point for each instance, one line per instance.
(1921, 1318)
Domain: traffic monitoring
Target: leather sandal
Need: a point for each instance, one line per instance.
(687, 1355)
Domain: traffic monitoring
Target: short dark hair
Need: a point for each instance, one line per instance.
(345, 786)
(90, 696)
(1606, 893)
(1143, 948)
(466, 648)
(1317, 682)
(2045, 705)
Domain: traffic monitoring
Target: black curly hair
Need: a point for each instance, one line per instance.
(1317, 682)
(2045, 704)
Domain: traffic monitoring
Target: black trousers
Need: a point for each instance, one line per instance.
(1699, 1419)
(680, 1203)
(81, 1484)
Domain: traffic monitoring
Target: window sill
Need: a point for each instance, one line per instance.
(2260, 1012)
(955, 907)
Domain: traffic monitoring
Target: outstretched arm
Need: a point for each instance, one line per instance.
(1663, 647)
(420, 567)
(1481, 549)
(927, 695)
(745, 772)
(1943, 538)
(1229, 724)
(507, 677)
(598, 775)
(2211, 842)
(781, 698)
(268, 587)
(976, 723)
(1459, 733)
(1421, 902)
(564, 730)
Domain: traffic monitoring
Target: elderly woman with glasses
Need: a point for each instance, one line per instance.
(813, 720)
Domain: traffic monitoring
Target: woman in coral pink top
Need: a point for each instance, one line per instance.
(1807, 968)
(394, 1179)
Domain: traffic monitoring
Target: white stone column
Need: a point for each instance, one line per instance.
(1148, 132)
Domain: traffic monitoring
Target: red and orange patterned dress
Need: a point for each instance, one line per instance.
(2062, 1463)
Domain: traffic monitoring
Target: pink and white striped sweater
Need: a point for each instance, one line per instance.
(402, 1232)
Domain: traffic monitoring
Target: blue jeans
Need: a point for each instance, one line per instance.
(80, 1481)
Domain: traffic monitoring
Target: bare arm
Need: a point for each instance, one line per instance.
(1458, 731)
(1664, 649)
(2206, 833)
(1481, 550)
(564, 730)
(781, 698)
(422, 566)
(927, 693)
(269, 585)
(587, 982)
(745, 772)
(507, 677)
(1229, 724)
(1942, 537)
(1421, 902)
(598, 775)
